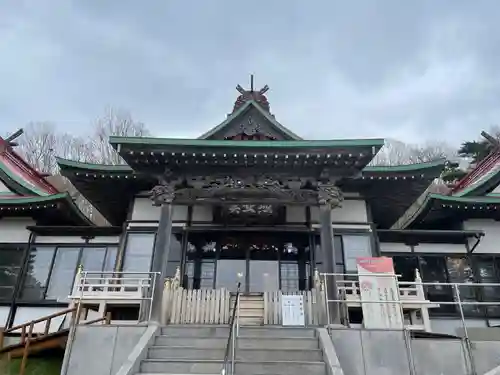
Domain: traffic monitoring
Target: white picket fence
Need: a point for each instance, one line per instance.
(314, 307)
(196, 306)
(213, 306)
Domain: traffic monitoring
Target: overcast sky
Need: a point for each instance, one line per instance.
(412, 70)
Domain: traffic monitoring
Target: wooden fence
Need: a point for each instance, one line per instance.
(196, 306)
(314, 307)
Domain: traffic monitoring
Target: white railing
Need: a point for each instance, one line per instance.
(105, 288)
(412, 299)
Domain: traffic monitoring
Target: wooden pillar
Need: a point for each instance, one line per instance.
(162, 195)
(329, 197)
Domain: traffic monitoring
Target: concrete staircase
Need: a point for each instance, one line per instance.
(251, 309)
(260, 351)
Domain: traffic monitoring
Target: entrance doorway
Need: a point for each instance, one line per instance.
(261, 261)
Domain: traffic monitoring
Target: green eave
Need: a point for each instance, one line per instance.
(109, 188)
(434, 207)
(391, 190)
(59, 207)
(17, 184)
(436, 165)
(140, 153)
(148, 143)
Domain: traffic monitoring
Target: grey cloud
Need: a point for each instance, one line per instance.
(418, 71)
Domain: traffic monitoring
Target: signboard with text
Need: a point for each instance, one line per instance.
(292, 310)
(377, 285)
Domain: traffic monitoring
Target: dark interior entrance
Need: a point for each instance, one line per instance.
(261, 261)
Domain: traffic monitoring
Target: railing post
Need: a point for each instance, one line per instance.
(424, 311)
(2, 334)
(466, 333)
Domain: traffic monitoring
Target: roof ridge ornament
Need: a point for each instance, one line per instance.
(252, 94)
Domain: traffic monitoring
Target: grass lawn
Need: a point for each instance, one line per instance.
(47, 365)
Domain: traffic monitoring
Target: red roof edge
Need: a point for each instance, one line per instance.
(483, 167)
(24, 170)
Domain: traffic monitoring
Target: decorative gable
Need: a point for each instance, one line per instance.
(251, 119)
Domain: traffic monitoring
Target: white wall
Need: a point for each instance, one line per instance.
(490, 242)
(351, 211)
(296, 214)
(143, 209)
(440, 248)
(202, 213)
(76, 240)
(394, 247)
(14, 229)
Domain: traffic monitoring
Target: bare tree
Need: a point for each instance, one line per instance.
(397, 153)
(118, 123)
(41, 143)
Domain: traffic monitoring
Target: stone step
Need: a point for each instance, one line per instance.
(256, 355)
(280, 368)
(185, 352)
(178, 366)
(192, 341)
(223, 331)
(247, 342)
(264, 355)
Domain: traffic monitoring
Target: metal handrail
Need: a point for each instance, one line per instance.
(231, 339)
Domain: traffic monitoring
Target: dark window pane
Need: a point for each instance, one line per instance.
(337, 244)
(434, 271)
(339, 251)
(10, 265)
(138, 252)
(289, 276)
(488, 273)
(207, 275)
(405, 266)
(460, 271)
(63, 273)
(38, 269)
(171, 268)
(355, 247)
(175, 253)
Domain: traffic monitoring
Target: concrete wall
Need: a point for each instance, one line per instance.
(76, 240)
(394, 247)
(490, 243)
(101, 350)
(143, 209)
(351, 211)
(440, 248)
(14, 230)
(371, 352)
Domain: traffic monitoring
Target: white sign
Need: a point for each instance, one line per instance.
(292, 310)
(378, 284)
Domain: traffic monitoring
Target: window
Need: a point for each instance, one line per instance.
(10, 265)
(289, 276)
(139, 252)
(355, 246)
(488, 271)
(175, 254)
(339, 254)
(51, 271)
(441, 269)
(37, 274)
(63, 274)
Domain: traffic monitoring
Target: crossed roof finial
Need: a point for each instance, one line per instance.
(262, 91)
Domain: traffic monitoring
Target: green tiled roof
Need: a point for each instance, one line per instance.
(376, 142)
